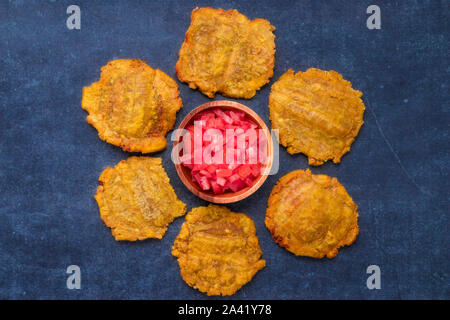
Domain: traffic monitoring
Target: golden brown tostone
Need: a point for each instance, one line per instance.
(132, 105)
(217, 250)
(317, 113)
(225, 52)
(136, 199)
(311, 215)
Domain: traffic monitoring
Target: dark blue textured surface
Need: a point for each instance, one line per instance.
(50, 158)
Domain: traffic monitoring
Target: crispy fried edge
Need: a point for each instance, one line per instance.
(184, 236)
(187, 43)
(270, 212)
(99, 197)
(349, 139)
(143, 145)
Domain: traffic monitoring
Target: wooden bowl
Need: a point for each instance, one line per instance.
(185, 173)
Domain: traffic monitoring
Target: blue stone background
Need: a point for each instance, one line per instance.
(50, 158)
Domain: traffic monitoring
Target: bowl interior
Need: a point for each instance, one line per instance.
(227, 197)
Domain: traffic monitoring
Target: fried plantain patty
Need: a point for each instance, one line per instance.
(317, 113)
(311, 215)
(132, 105)
(225, 52)
(217, 250)
(136, 199)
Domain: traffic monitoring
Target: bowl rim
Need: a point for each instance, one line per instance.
(227, 197)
